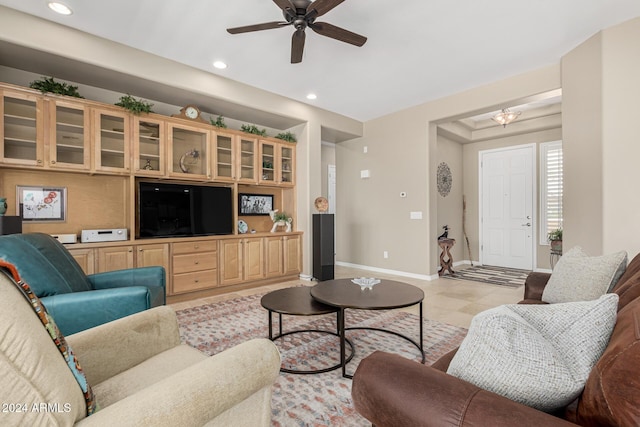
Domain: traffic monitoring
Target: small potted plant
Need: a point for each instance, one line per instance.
(280, 219)
(555, 239)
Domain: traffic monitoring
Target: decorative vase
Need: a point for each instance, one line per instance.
(3, 205)
(556, 246)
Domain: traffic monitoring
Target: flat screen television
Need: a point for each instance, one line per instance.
(167, 210)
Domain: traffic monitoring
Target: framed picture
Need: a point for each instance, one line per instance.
(41, 204)
(255, 204)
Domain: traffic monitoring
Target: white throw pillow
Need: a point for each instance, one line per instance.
(538, 355)
(579, 277)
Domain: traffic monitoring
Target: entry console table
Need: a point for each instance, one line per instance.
(445, 264)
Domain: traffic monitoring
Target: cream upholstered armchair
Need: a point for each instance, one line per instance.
(140, 373)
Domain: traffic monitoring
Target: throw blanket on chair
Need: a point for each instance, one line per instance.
(54, 332)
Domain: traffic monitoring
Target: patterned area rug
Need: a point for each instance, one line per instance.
(489, 274)
(319, 399)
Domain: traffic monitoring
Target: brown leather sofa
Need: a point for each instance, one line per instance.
(390, 390)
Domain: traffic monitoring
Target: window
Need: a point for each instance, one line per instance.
(550, 188)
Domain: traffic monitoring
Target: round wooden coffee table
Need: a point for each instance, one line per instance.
(297, 301)
(388, 294)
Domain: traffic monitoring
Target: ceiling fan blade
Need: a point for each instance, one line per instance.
(286, 7)
(320, 7)
(257, 27)
(328, 30)
(297, 46)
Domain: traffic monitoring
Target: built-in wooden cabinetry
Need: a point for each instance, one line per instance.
(100, 152)
(194, 266)
(277, 163)
(69, 140)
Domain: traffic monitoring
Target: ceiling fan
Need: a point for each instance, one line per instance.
(302, 14)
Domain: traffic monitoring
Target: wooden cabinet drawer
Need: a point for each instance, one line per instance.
(188, 282)
(189, 247)
(194, 262)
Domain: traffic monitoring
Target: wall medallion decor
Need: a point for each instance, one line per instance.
(444, 179)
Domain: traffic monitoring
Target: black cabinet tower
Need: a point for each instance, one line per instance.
(323, 246)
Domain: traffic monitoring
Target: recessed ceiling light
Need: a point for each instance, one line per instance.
(60, 8)
(220, 65)
(312, 96)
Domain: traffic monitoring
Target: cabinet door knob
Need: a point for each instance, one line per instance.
(197, 262)
(39, 161)
(53, 162)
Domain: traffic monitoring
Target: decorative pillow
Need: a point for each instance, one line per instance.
(538, 355)
(57, 337)
(579, 277)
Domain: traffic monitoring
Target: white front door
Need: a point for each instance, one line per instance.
(507, 206)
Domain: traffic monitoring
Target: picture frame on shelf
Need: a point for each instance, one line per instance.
(41, 204)
(255, 204)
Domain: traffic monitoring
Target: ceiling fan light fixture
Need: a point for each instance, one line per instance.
(505, 117)
(220, 65)
(312, 96)
(60, 8)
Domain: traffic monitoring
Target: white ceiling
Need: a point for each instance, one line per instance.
(416, 50)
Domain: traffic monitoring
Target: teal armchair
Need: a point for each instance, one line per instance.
(77, 301)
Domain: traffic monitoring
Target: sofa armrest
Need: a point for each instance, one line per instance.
(77, 311)
(390, 390)
(114, 347)
(151, 277)
(534, 285)
(201, 392)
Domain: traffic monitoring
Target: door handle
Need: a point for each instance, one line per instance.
(527, 224)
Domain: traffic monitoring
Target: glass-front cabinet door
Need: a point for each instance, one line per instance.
(111, 140)
(149, 146)
(224, 156)
(22, 138)
(287, 161)
(189, 152)
(248, 156)
(69, 137)
(267, 162)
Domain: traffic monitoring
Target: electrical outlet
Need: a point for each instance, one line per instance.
(385, 254)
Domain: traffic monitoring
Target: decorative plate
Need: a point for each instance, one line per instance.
(242, 227)
(321, 204)
(444, 179)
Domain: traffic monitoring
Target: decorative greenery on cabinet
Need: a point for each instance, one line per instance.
(287, 136)
(136, 106)
(253, 129)
(48, 84)
(219, 122)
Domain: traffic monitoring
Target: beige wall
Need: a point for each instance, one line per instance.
(371, 216)
(621, 139)
(582, 148)
(403, 156)
(328, 154)
(471, 153)
(600, 92)
(450, 206)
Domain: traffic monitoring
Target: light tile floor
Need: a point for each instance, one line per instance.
(446, 300)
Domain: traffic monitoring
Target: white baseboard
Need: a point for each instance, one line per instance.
(542, 270)
(387, 271)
